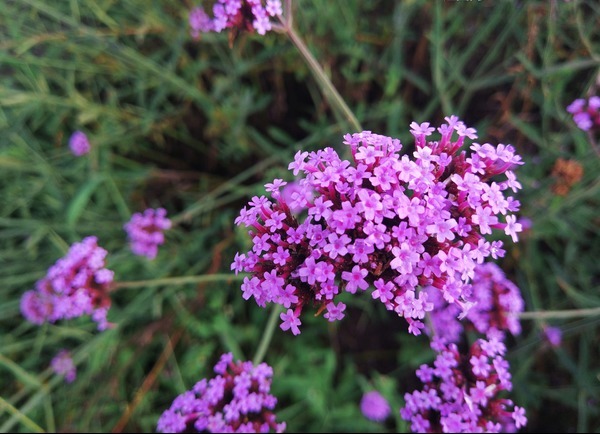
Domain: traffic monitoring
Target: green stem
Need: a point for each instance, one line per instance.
(327, 87)
(267, 335)
(200, 205)
(556, 314)
(178, 280)
(18, 415)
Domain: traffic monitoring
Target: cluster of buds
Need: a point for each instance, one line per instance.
(237, 15)
(383, 221)
(76, 285)
(463, 392)
(586, 113)
(236, 400)
(145, 231)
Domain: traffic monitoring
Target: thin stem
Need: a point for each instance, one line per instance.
(178, 280)
(555, 314)
(200, 205)
(327, 87)
(289, 17)
(267, 335)
(17, 414)
(148, 382)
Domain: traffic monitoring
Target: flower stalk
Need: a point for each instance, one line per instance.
(327, 87)
(560, 314)
(177, 280)
(267, 335)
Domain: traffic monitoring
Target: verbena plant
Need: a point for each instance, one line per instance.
(197, 122)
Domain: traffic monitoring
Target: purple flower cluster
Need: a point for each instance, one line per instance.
(384, 221)
(62, 364)
(79, 144)
(245, 15)
(495, 305)
(75, 285)
(145, 231)
(586, 113)
(236, 400)
(463, 392)
(374, 406)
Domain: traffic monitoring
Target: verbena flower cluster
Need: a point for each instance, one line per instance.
(586, 112)
(496, 304)
(75, 285)
(464, 392)
(374, 406)
(62, 364)
(461, 390)
(79, 144)
(246, 15)
(145, 231)
(382, 220)
(236, 400)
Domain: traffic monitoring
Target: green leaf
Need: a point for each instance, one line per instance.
(22, 375)
(81, 199)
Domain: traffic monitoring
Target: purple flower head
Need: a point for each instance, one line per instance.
(382, 221)
(553, 335)
(199, 22)
(236, 15)
(145, 231)
(463, 393)
(586, 113)
(79, 143)
(495, 305)
(76, 285)
(236, 400)
(62, 364)
(374, 406)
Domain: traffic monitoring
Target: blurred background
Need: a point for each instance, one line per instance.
(198, 127)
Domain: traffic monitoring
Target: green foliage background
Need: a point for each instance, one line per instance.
(198, 128)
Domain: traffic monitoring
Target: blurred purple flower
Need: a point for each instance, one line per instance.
(553, 335)
(75, 285)
(586, 112)
(79, 143)
(62, 364)
(145, 231)
(374, 406)
(495, 305)
(199, 22)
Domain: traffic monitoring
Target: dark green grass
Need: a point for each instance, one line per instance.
(198, 128)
